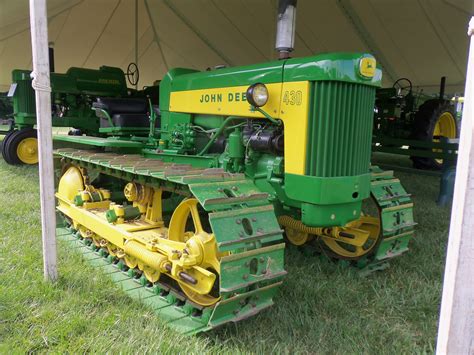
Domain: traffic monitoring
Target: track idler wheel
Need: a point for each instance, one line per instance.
(70, 183)
(354, 242)
(359, 238)
(186, 226)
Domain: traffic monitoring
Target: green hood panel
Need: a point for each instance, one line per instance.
(331, 66)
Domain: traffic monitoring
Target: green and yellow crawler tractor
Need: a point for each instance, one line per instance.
(193, 218)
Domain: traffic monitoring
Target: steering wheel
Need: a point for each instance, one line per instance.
(133, 74)
(403, 86)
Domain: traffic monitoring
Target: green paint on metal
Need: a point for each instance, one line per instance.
(70, 95)
(244, 227)
(340, 129)
(330, 67)
(396, 213)
(99, 142)
(327, 191)
(328, 201)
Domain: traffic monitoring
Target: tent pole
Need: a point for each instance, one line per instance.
(456, 324)
(41, 84)
(136, 37)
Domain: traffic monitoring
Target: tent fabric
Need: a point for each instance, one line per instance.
(418, 39)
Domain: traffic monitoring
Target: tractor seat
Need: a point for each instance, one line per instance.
(124, 112)
(121, 105)
(127, 120)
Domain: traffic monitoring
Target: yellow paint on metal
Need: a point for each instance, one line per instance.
(27, 151)
(366, 232)
(445, 127)
(294, 112)
(296, 237)
(96, 205)
(367, 67)
(287, 101)
(201, 247)
(227, 101)
(71, 182)
(144, 242)
(296, 232)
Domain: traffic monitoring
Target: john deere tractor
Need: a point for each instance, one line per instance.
(72, 96)
(192, 218)
(402, 113)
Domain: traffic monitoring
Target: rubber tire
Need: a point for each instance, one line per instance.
(423, 128)
(4, 144)
(11, 145)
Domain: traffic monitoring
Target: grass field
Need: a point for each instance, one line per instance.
(323, 308)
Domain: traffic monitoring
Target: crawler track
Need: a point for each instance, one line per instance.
(243, 223)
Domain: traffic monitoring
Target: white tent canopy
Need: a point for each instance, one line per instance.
(419, 39)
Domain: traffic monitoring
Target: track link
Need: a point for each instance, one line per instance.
(396, 216)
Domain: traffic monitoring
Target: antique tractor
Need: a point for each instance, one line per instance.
(402, 113)
(234, 159)
(72, 96)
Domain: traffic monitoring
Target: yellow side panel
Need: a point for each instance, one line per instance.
(227, 101)
(287, 101)
(294, 112)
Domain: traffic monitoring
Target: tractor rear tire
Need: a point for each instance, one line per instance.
(427, 121)
(4, 144)
(21, 147)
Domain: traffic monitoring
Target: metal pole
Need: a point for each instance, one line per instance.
(41, 84)
(456, 323)
(136, 37)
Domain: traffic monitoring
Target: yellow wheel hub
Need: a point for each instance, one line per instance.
(27, 151)
(185, 216)
(444, 127)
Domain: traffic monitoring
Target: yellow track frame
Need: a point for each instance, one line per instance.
(189, 257)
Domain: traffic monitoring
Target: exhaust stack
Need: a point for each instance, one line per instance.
(285, 36)
(51, 56)
(442, 87)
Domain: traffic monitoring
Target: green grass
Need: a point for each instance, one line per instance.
(322, 308)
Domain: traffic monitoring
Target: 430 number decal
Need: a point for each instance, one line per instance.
(293, 97)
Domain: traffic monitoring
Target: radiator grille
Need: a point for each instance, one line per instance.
(24, 99)
(340, 129)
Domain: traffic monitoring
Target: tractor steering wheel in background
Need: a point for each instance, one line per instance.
(133, 74)
(403, 86)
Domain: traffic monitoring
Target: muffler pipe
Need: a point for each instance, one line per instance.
(51, 56)
(286, 22)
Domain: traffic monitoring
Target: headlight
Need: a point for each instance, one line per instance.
(257, 94)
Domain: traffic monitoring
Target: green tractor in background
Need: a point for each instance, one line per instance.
(402, 113)
(6, 114)
(72, 95)
(6, 109)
